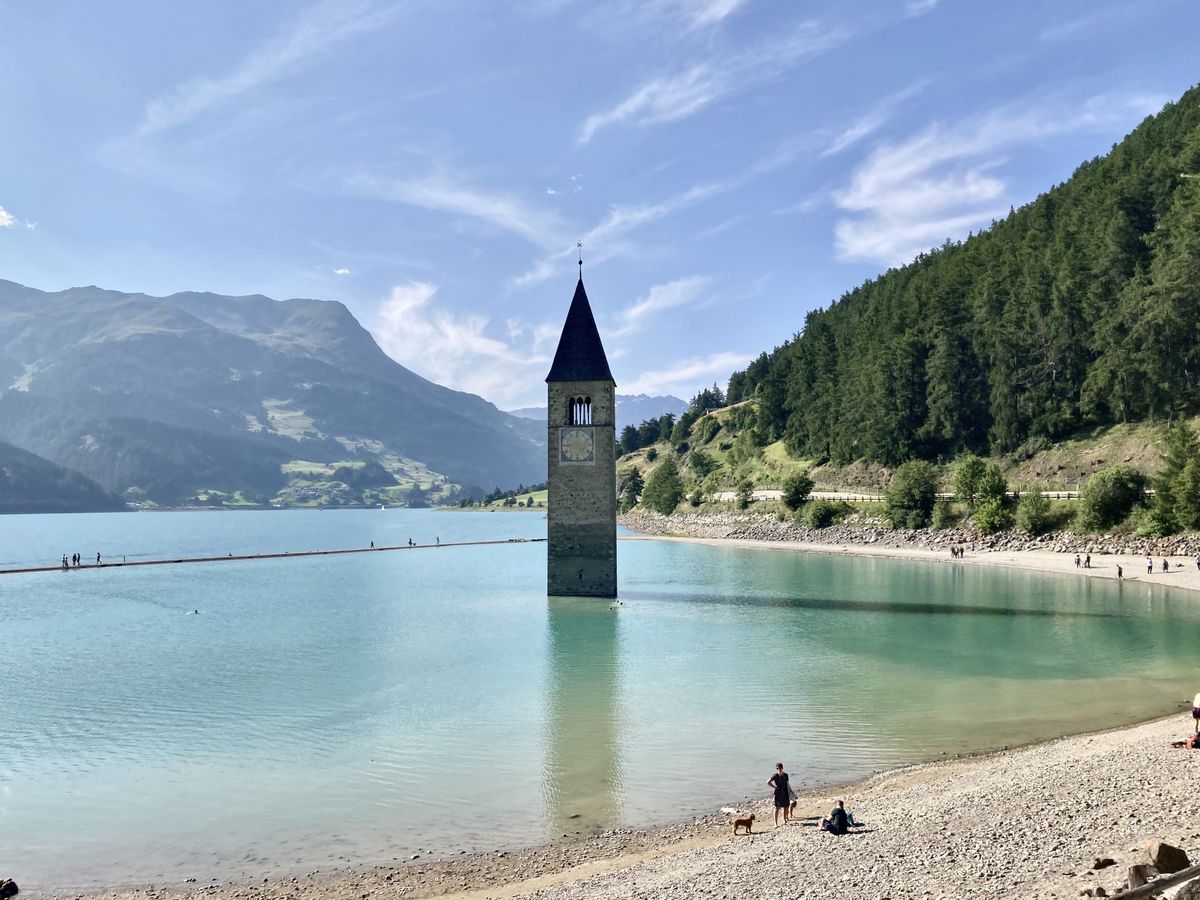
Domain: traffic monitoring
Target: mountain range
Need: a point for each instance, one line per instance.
(632, 409)
(169, 399)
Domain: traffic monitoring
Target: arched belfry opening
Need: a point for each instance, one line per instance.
(580, 411)
(581, 461)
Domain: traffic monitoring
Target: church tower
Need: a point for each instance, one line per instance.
(582, 461)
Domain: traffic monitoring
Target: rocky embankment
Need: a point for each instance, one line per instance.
(867, 530)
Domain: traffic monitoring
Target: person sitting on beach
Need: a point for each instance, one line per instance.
(1192, 743)
(838, 820)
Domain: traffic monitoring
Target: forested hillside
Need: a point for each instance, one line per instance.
(30, 484)
(1079, 309)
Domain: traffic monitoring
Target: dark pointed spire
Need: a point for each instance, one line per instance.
(580, 355)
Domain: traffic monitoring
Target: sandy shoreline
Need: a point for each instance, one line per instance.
(1183, 572)
(1028, 822)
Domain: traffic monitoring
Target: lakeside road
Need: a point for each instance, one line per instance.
(1028, 822)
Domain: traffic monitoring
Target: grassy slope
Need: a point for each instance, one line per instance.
(1063, 466)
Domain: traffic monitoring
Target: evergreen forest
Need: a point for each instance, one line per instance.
(1080, 309)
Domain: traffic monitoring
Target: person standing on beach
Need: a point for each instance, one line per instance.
(779, 782)
(1196, 712)
(1149, 564)
(1120, 573)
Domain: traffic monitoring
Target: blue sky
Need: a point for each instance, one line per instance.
(728, 164)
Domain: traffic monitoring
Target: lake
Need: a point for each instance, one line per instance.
(325, 710)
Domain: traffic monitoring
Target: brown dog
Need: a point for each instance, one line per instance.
(746, 823)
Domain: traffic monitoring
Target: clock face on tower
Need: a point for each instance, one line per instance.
(576, 445)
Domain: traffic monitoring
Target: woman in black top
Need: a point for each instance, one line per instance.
(779, 781)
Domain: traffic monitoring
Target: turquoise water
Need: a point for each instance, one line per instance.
(357, 708)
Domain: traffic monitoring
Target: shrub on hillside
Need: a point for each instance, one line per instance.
(745, 493)
(664, 489)
(796, 488)
(631, 489)
(1109, 496)
(967, 474)
(707, 429)
(976, 480)
(908, 500)
(942, 516)
(992, 515)
(651, 454)
(701, 463)
(1033, 512)
(823, 513)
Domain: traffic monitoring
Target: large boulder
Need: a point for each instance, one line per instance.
(1190, 891)
(1165, 857)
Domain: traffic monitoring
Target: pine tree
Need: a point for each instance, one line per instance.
(664, 489)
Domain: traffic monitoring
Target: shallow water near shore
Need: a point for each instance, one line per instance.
(319, 711)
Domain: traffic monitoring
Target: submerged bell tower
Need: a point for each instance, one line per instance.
(581, 472)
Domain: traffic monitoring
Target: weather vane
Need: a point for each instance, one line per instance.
(579, 247)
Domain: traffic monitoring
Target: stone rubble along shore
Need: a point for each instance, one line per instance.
(872, 531)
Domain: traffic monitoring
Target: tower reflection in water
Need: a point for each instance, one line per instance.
(582, 779)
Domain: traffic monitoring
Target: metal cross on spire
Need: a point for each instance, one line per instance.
(579, 247)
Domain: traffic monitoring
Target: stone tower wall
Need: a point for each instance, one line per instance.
(582, 507)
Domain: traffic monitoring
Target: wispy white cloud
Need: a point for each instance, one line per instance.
(919, 7)
(341, 270)
(700, 13)
(669, 98)
(665, 16)
(6, 218)
(451, 349)
(1090, 23)
(687, 376)
(316, 31)
(607, 238)
(873, 119)
(672, 294)
(946, 180)
(720, 228)
(446, 193)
